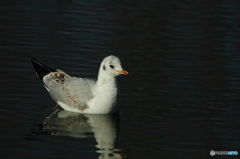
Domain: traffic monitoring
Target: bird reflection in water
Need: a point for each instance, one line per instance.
(103, 127)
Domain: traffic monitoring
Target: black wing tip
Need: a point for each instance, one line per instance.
(41, 69)
(32, 58)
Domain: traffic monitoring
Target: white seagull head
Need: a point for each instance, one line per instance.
(111, 66)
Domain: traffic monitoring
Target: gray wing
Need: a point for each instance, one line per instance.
(72, 91)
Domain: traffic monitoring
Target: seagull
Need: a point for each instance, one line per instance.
(83, 95)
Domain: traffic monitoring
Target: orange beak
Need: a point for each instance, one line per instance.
(124, 72)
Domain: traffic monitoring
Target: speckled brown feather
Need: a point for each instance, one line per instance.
(60, 84)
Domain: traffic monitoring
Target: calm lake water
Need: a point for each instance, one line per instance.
(182, 100)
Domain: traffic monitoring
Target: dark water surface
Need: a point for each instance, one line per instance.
(182, 99)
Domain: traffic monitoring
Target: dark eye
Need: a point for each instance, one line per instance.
(111, 66)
